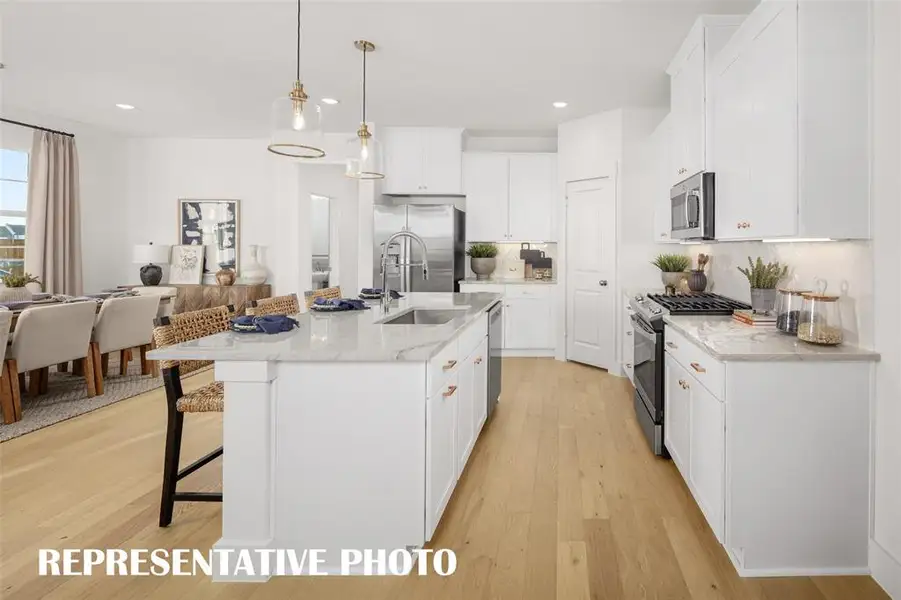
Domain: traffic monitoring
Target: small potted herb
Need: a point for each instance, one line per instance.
(672, 269)
(763, 279)
(14, 289)
(482, 259)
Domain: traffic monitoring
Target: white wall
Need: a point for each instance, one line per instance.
(506, 143)
(102, 165)
(885, 549)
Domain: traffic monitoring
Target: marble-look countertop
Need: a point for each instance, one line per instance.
(352, 336)
(728, 340)
(500, 281)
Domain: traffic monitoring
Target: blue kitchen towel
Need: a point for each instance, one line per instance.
(267, 324)
(378, 291)
(342, 303)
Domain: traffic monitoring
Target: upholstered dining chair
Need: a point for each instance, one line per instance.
(171, 330)
(123, 324)
(165, 308)
(6, 382)
(328, 293)
(50, 335)
(279, 305)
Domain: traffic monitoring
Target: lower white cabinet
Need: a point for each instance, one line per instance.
(480, 389)
(466, 436)
(441, 457)
(627, 348)
(528, 316)
(676, 407)
(706, 456)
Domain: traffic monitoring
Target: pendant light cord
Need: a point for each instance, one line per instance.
(299, 34)
(364, 84)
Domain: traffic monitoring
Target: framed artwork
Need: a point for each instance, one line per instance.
(186, 264)
(215, 225)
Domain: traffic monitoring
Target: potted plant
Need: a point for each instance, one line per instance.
(482, 259)
(763, 279)
(697, 281)
(672, 269)
(14, 287)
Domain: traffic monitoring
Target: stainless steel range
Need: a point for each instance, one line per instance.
(647, 321)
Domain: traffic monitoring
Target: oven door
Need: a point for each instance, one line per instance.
(647, 369)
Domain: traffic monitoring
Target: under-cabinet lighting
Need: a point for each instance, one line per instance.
(125, 106)
(795, 240)
(329, 101)
(560, 104)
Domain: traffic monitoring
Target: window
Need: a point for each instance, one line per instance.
(13, 201)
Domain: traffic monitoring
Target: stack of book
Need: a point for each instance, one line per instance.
(755, 319)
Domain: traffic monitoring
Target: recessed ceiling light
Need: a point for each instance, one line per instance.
(559, 104)
(330, 101)
(125, 106)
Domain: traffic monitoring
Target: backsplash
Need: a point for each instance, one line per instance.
(847, 268)
(508, 252)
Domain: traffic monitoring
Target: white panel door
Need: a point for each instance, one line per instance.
(732, 115)
(442, 156)
(465, 403)
(486, 185)
(694, 117)
(591, 319)
(480, 389)
(707, 455)
(533, 180)
(677, 430)
(441, 459)
(403, 160)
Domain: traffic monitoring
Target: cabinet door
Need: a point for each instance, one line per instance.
(403, 160)
(441, 458)
(687, 114)
(659, 172)
(732, 111)
(486, 181)
(628, 344)
(480, 389)
(533, 180)
(465, 422)
(442, 158)
(527, 323)
(677, 424)
(707, 454)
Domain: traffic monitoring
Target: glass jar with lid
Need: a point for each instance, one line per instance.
(789, 304)
(821, 319)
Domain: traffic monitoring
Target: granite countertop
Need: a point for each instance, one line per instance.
(352, 336)
(728, 340)
(500, 281)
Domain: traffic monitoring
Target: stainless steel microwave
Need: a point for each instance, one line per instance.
(691, 208)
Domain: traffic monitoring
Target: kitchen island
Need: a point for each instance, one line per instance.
(352, 430)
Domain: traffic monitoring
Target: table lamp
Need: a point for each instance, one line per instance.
(151, 274)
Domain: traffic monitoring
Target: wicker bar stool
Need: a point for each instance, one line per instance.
(279, 305)
(331, 293)
(171, 330)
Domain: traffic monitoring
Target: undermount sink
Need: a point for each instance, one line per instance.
(424, 316)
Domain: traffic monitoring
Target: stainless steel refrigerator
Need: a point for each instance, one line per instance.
(441, 226)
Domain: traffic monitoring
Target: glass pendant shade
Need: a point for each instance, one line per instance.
(296, 127)
(364, 157)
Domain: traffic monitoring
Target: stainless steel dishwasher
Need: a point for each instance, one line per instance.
(495, 344)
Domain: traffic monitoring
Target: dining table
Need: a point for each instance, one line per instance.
(18, 308)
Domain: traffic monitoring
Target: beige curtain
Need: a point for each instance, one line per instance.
(53, 221)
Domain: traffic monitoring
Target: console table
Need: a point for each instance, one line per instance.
(197, 296)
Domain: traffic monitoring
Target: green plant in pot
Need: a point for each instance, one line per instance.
(763, 279)
(672, 269)
(14, 289)
(482, 259)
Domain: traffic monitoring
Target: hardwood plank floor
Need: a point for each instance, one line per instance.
(561, 499)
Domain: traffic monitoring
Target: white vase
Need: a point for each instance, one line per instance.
(252, 272)
(19, 294)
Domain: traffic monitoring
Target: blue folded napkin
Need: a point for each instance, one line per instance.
(342, 303)
(378, 291)
(267, 324)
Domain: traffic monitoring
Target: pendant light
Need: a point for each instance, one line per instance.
(364, 151)
(296, 122)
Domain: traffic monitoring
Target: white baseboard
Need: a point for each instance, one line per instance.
(886, 570)
(540, 353)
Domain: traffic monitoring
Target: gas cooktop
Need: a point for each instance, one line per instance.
(652, 307)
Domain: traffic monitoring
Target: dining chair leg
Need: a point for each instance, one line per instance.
(154, 364)
(45, 380)
(104, 364)
(123, 362)
(98, 371)
(145, 364)
(89, 373)
(78, 368)
(34, 383)
(22, 388)
(6, 395)
(12, 370)
(62, 367)
(170, 465)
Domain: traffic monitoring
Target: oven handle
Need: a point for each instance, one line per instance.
(637, 322)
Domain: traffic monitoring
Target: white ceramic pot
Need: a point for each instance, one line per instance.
(252, 272)
(19, 294)
(483, 267)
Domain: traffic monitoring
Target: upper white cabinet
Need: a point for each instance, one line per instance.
(659, 172)
(422, 160)
(509, 196)
(791, 123)
(690, 97)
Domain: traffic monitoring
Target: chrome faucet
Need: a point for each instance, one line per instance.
(386, 293)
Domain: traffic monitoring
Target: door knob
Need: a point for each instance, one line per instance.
(602, 283)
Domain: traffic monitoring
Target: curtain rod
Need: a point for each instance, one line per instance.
(11, 122)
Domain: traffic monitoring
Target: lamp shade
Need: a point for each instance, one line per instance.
(150, 253)
(296, 129)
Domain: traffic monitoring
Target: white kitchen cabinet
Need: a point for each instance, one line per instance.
(533, 181)
(677, 408)
(528, 316)
(627, 348)
(510, 196)
(791, 145)
(441, 457)
(661, 180)
(480, 389)
(465, 406)
(422, 160)
(486, 180)
(706, 455)
(691, 101)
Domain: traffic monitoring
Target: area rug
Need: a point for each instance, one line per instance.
(67, 397)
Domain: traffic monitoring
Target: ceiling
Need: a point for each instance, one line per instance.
(212, 69)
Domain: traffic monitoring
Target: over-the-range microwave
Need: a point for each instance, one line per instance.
(691, 208)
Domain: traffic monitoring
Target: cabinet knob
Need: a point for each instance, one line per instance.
(478, 360)
(450, 365)
(672, 345)
(628, 333)
(682, 383)
(602, 283)
(628, 365)
(450, 391)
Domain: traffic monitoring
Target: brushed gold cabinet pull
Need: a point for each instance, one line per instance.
(697, 367)
(682, 383)
(450, 391)
(478, 360)
(450, 365)
(672, 345)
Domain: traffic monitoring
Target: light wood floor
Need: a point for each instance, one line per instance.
(561, 499)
